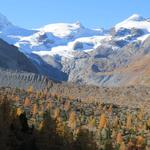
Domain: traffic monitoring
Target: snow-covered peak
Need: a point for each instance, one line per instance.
(80, 24)
(61, 29)
(135, 17)
(4, 22)
(69, 30)
(66, 39)
(135, 21)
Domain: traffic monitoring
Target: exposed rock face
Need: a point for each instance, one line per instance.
(49, 67)
(11, 58)
(108, 67)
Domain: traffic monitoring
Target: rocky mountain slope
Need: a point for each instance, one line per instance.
(12, 59)
(74, 53)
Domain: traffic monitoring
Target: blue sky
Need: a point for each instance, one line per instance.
(91, 13)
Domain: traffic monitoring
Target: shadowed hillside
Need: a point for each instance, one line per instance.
(23, 80)
(11, 58)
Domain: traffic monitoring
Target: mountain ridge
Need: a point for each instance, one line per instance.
(12, 59)
(74, 53)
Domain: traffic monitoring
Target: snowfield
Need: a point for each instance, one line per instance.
(135, 21)
(65, 39)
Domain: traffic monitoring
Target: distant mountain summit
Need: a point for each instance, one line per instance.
(135, 21)
(72, 52)
(4, 22)
(135, 17)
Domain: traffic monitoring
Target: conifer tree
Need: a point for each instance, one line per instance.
(30, 89)
(19, 111)
(102, 121)
(56, 113)
(91, 123)
(27, 102)
(72, 120)
(119, 138)
(122, 146)
(129, 121)
(35, 109)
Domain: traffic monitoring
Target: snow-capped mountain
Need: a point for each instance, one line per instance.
(69, 31)
(135, 21)
(65, 39)
(46, 38)
(82, 55)
(51, 38)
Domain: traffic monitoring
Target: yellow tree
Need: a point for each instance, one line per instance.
(17, 98)
(27, 102)
(91, 123)
(129, 121)
(148, 122)
(41, 113)
(35, 109)
(110, 109)
(19, 111)
(67, 106)
(49, 105)
(60, 127)
(72, 120)
(130, 144)
(119, 138)
(113, 134)
(122, 146)
(140, 114)
(116, 122)
(41, 125)
(30, 89)
(140, 141)
(102, 121)
(56, 113)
